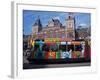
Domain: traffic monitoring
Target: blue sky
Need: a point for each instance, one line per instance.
(30, 16)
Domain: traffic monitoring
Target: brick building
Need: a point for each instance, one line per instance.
(54, 29)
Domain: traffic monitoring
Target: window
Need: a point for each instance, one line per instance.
(78, 47)
(54, 47)
(45, 47)
(62, 47)
(70, 47)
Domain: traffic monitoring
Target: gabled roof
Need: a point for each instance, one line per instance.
(38, 22)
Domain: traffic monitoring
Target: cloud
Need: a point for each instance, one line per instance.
(83, 25)
(56, 17)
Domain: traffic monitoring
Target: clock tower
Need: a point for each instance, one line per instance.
(70, 27)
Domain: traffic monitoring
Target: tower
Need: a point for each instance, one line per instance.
(70, 27)
(37, 26)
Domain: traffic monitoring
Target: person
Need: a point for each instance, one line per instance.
(33, 42)
(82, 52)
(70, 53)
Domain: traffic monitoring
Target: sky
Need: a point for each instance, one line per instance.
(30, 16)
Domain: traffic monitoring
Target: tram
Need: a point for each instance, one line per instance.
(60, 49)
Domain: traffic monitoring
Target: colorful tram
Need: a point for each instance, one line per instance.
(60, 49)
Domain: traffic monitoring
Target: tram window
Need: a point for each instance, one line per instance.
(78, 47)
(62, 47)
(70, 47)
(36, 46)
(54, 47)
(45, 47)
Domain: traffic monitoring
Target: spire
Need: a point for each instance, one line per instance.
(38, 22)
(71, 16)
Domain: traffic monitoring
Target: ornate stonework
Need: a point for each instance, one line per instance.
(54, 29)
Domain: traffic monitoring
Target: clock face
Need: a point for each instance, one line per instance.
(70, 24)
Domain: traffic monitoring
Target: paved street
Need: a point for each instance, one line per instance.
(35, 66)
